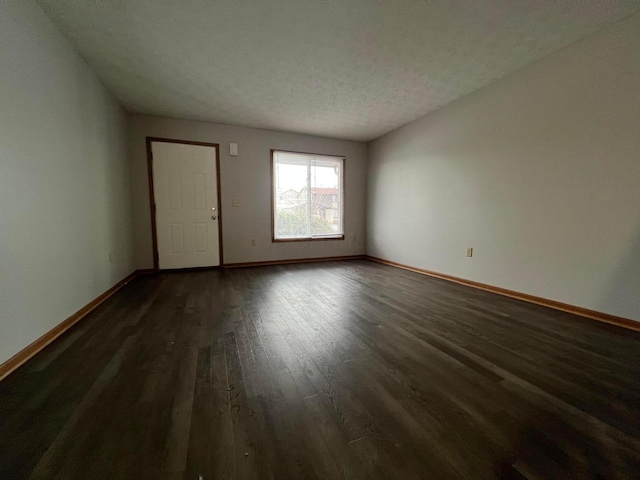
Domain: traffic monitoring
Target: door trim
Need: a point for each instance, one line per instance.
(152, 197)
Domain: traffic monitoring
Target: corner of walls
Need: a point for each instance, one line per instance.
(137, 175)
(366, 199)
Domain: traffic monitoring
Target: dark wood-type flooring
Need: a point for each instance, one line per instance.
(332, 370)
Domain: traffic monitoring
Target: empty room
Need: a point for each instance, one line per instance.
(287, 239)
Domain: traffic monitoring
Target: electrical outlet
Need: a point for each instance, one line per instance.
(253, 242)
(235, 203)
(469, 252)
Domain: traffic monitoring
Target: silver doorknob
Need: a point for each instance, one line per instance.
(213, 217)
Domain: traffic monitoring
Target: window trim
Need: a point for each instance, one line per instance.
(273, 199)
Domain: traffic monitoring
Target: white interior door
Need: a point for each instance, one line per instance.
(187, 211)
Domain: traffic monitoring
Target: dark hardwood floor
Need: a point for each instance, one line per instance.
(332, 370)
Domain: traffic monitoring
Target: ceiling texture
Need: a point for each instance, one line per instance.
(353, 69)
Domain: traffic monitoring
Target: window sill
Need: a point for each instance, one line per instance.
(308, 239)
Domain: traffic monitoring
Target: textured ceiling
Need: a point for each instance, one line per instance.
(337, 68)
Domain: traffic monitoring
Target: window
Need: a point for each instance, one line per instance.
(308, 196)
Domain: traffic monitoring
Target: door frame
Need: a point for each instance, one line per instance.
(152, 197)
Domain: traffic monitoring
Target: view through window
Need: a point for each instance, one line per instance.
(307, 196)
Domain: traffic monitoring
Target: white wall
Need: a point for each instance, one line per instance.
(64, 180)
(539, 173)
(246, 178)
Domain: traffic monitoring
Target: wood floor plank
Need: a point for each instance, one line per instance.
(199, 461)
(249, 446)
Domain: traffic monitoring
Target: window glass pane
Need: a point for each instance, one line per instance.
(326, 198)
(291, 207)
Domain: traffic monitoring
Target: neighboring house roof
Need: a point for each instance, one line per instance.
(324, 191)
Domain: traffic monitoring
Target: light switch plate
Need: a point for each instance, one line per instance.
(233, 149)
